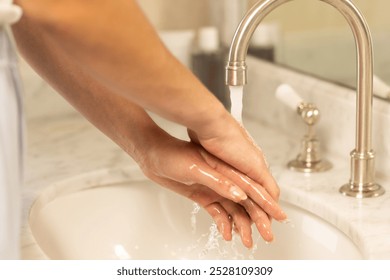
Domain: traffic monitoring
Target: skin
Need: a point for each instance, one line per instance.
(106, 59)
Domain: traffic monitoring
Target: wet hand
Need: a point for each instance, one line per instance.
(189, 170)
(228, 140)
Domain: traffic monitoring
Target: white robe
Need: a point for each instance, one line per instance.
(11, 138)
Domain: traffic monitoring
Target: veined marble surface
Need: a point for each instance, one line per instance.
(61, 145)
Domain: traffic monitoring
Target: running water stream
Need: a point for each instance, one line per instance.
(212, 242)
(236, 95)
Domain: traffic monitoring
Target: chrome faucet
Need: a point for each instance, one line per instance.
(362, 181)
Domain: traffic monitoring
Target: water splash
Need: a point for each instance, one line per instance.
(254, 249)
(212, 241)
(211, 245)
(195, 210)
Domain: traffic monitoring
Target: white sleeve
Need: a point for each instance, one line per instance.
(9, 13)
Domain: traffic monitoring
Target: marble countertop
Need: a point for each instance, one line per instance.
(65, 145)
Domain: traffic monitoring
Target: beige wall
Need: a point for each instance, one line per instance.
(308, 15)
(300, 15)
(306, 26)
(176, 14)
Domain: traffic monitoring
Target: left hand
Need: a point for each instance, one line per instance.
(189, 170)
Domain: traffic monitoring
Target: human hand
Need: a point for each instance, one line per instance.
(228, 140)
(189, 170)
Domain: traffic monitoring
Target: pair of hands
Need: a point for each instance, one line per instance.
(232, 198)
(221, 168)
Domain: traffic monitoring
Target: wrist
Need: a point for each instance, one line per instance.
(217, 121)
(207, 122)
(142, 145)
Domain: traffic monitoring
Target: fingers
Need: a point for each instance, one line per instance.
(231, 142)
(254, 190)
(241, 221)
(191, 171)
(260, 196)
(207, 176)
(260, 219)
(228, 216)
(270, 185)
(254, 165)
(221, 219)
(181, 161)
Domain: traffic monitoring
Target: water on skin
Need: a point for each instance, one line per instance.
(215, 242)
(212, 243)
(236, 97)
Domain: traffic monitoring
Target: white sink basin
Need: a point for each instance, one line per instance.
(118, 214)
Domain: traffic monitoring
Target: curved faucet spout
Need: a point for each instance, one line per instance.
(362, 182)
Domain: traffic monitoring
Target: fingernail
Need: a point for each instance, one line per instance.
(283, 215)
(285, 221)
(267, 234)
(248, 242)
(270, 238)
(237, 193)
(270, 241)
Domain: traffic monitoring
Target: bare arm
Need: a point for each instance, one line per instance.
(89, 46)
(114, 42)
(181, 166)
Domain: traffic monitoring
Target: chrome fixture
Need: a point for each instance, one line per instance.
(362, 181)
(309, 160)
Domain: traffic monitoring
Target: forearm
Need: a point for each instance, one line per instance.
(114, 42)
(127, 124)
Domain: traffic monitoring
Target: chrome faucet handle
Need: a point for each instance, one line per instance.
(309, 160)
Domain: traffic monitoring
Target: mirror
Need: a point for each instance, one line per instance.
(316, 39)
(313, 37)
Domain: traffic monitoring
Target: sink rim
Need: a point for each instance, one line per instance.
(111, 176)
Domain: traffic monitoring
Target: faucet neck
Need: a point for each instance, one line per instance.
(362, 182)
(248, 25)
(236, 68)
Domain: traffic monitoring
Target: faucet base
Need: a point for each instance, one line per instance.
(362, 182)
(309, 167)
(371, 190)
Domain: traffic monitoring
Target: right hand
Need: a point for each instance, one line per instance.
(229, 141)
(232, 199)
